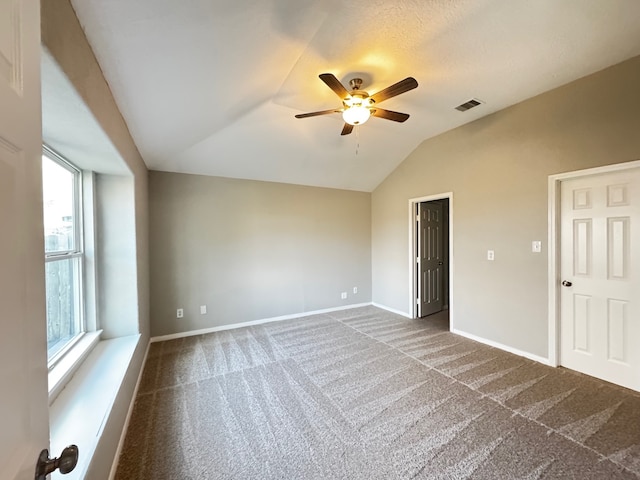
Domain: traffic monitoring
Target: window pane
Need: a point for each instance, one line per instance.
(58, 191)
(63, 303)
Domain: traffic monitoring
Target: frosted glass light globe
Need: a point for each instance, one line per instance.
(356, 115)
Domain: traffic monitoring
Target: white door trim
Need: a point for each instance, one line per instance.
(413, 308)
(553, 279)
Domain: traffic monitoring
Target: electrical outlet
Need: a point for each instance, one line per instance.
(180, 313)
(203, 309)
(344, 295)
(490, 255)
(355, 290)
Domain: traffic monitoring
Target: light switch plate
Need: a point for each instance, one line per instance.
(536, 246)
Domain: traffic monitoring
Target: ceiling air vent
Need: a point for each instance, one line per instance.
(474, 102)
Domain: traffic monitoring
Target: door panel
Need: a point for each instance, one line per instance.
(11, 52)
(618, 247)
(582, 247)
(617, 319)
(581, 323)
(431, 258)
(23, 367)
(12, 298)
(600, 254)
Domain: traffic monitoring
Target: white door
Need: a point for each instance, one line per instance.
(430, 258)
(600, 274)
(24, 422)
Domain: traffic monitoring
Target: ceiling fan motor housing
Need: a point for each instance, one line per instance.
(357, 98)
(357, 104)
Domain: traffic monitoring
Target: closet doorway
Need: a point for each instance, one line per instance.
(431, 235)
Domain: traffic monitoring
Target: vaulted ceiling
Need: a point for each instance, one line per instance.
(211, 87)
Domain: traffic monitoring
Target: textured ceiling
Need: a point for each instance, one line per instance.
(211, 87)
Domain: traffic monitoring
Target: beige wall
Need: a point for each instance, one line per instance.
(64, 39)
(116, 244)
(497, 169)
(253, 250)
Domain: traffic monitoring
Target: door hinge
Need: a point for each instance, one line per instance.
(417, 218)
(417, 301)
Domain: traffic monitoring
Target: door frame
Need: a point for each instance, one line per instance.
(553, 279)
(413, 246)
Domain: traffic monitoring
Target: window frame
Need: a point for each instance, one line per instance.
(77, 252)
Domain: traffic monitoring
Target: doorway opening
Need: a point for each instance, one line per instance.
(431, 255)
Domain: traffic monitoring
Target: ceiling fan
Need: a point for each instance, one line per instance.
(358, 105)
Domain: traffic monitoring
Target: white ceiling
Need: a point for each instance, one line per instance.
(211, 87)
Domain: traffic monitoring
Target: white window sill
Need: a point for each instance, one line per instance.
(62, 372)
(78, 413)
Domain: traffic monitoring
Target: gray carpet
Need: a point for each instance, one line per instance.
(366, 394)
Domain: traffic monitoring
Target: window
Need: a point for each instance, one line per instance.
(61, 189)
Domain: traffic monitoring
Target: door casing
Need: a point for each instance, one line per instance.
(553, 279)
(413, 281)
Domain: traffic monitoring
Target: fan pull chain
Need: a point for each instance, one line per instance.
(357, 139)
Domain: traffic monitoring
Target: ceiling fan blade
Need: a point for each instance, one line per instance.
(347, 129)
(389, 115)
(334, 84)
(315, 114)
(402, 86)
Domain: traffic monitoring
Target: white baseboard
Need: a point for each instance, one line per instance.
(125, 428)
(233, 326)
(392, 310)
(506, 348)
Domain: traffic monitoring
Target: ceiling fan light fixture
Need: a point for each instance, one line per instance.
(358, 106)
(356, 115)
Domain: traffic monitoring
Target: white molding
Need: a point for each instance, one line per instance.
(617, 167)
(553, 271)
(506, 348)
(393, 310)
(553, 275)
(125, 428)
(412, 249)
(82, 410)
(69, 363)
(233, 326)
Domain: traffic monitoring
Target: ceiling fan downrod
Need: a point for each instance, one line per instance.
(355, 83)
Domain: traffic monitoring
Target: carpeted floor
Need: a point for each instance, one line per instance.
(366, 394)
